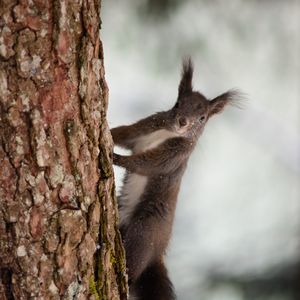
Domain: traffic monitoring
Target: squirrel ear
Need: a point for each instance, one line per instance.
(232, 97)
(185, 85)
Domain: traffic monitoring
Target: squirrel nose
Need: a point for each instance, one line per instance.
(182, 121)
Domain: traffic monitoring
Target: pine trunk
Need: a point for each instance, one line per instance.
(58, 234)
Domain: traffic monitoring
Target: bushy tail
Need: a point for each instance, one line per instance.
(153, 284)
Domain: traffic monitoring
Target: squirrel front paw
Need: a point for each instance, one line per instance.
(119, 160)
(116, 158)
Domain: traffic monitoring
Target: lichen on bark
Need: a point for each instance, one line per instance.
(58, 232)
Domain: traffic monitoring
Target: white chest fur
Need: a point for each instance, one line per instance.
(135, 183)
(152, 140)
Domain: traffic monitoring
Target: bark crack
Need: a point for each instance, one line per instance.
(6, 280)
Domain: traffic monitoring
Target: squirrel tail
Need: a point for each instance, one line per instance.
(153, 284)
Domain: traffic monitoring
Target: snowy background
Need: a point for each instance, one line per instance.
(237, 228)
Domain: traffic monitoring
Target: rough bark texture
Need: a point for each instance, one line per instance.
(56, 178)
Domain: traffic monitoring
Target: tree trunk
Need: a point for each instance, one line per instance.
(58, 234)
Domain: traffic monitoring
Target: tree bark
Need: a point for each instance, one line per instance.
(58, 233)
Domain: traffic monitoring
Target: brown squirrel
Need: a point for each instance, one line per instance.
(161, 145)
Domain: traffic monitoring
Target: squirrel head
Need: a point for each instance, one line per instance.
(192, 109)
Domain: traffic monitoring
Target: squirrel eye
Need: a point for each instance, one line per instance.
(182, 121)
(202, 119)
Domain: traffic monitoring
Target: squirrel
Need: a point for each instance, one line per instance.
(161, 145)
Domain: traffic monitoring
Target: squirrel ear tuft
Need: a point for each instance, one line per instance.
(233, 97)
(185, 85)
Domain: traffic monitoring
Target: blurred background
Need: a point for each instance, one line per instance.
(237, 230)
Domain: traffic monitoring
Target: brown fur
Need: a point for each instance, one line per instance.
(147, 234)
